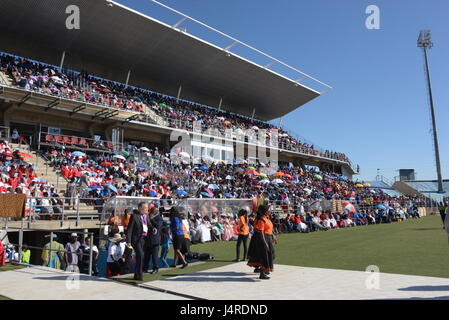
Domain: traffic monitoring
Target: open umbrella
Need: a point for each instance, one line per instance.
(209, 192)
(25, 155)
(105, 164)
(307, 190)
(348, 206)
(111, 186)
(206, 194)
(367, 184)
(317, 176)
(279, 174)
(263, 175)
(125, 153)
(381, 207)
(180, 192)
(228, 195)
(213, 187)
(144, 149)
(96, 187)
(228, 177)
(203, 168)
(142, 166)
(251, 168)
(359, 185)
(264, 181)
(277, 181)
(78, 154)
(254, 172)
(117, 156)
(184, 155)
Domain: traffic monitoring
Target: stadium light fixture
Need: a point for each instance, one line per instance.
(425, 42)
(109, 3)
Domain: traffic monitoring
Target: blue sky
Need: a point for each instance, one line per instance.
(378, 111)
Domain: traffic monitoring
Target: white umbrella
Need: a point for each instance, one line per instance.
(184, 155)
(255, 127)
(308, 190)
(208, 158)
(229, 177)
(277, 181)
(117, 156)
(144, 149)
(264, 181)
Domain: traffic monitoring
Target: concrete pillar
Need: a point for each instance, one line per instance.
(166, 143)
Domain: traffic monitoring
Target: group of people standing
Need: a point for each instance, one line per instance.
(145, 234)
(260, 253)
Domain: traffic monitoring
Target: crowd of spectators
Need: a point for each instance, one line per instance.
(48, 79)
(19, 176)
(151, 173)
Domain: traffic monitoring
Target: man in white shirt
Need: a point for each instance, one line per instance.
(115, 253)
(72, 254)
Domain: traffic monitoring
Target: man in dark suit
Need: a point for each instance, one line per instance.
(136, 234)
(153, 240)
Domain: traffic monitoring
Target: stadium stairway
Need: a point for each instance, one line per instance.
(48, 173)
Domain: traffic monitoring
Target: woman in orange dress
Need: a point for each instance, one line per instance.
(261, 251)
(243, 232)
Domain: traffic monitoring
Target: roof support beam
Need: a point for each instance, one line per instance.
(254, 112)
(230, 46)
(180, 22)
(132, 118)
(219, 104)
(62, 60)
(100, 113)
(127, 78)
(52, 104)
(110, 114)
(25, 99)
(270, 64)
(179, 93)
(78, 109)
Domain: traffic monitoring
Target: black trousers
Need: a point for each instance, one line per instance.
(242, 239)
(151, 252)
(139, 249)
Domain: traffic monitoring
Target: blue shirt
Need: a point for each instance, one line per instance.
(176, 226)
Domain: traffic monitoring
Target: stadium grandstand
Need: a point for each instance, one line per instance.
(88, 118)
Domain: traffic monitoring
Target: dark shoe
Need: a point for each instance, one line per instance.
(154, 271)
(257, 270)
(264, 276)
(172, 266)
(236, 260)
(138, 278)
(184, 265)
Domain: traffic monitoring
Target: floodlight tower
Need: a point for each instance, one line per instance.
(425, 42)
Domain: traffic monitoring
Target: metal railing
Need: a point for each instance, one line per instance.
(50, 249)
(58, 208)
(74, 142)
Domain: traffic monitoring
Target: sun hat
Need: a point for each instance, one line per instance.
(116, 238)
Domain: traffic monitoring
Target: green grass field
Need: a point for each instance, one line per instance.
(414, 247)
(9, 267)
